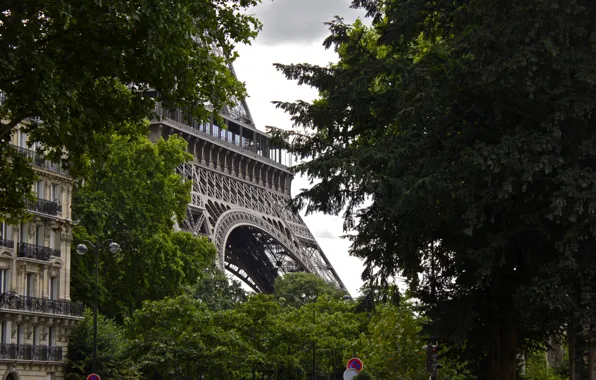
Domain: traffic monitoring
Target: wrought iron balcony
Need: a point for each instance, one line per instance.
(44, 206)
(41, 305)
(37, 252)
(40, 160)
(6, 243)
(30, 352)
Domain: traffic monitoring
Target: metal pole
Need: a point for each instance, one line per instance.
(94, 365)
(314, 346)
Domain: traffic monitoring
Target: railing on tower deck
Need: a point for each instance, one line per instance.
(37, 252)
(6, 243)
(39, 159)
(44, 206)
(233, 140)
(41, 305)
(30, 352)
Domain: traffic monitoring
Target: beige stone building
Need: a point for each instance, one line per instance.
(36, 314)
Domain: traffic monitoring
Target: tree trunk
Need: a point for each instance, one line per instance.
(576, 353)
(502, 355)
(555, 355)
(592, 357)
(571, 341)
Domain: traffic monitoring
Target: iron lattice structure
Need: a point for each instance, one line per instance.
(240, 195)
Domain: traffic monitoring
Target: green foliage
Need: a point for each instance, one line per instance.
(258, 338)
(180, 338)
(113, 349)
(537, 369)
(216, 291)
(133, 192)
(15, 185)
(392, 345)
(303, 287)
(471, 134)
(85, 69)
(133, 197)
(364, 375)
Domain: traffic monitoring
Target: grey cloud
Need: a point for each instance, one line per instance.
(300, 21)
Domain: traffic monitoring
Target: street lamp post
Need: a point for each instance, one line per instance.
(82, 249)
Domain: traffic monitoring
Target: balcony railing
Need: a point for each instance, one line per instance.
(44, 206)
(41, 305)
(30, 352)
(6, 243)
(40, 160)
(37, 252)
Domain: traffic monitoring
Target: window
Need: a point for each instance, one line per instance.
(24, 233)
(4, 281)
(52, 239)
(55, 239)
(55, 193)
(35, 335)
(22, 139)
(50, 336)
(5, 231)
(41, 189)
(30, 285)
(5, 333)
(20, 334)
(54, 288)
(39, 235)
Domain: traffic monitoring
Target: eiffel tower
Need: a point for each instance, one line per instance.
(240, 188)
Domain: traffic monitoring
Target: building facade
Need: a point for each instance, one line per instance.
(36, 314)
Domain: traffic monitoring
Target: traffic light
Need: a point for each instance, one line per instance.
(432, 358)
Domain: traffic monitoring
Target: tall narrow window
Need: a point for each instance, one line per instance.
(4, 283)
(53, 288)
(22, 139)
(30, 285)
(5, 336)
(55, 193)
(39, 235)
(20, 334)
(5, 233)
(41, 189)
(50, 336)
(35, 335)
(24, 233)
(52, 239)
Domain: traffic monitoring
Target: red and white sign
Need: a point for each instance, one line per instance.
(355, 363)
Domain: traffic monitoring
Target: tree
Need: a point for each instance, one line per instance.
(133, 196)
(77, 73)
(133, 192)
(304, 287)
(15, 186)
(364, 375)
(216, 291)
(181, 338)
(112, 351)
(392, 345)
(470, 132)
(536, 368)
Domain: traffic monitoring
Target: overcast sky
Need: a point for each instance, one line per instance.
(293, 32)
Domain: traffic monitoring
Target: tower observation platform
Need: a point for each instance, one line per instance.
(240, 192)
